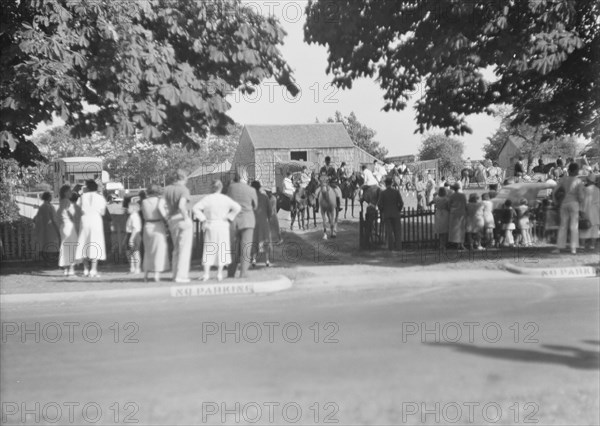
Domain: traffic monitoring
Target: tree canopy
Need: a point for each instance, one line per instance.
(448, 150)
(136, 159)
(361, 135)
(544, 55)
(160, 67)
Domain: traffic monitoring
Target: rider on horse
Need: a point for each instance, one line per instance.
(329, 173)
(288, 186)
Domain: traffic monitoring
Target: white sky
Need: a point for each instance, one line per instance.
(271, 104)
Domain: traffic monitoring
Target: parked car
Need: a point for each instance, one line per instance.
(532, 191)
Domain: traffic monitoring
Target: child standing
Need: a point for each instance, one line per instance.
(488, 220)
(523, 222)
(475, 222)
(133, 227)
(508, 224)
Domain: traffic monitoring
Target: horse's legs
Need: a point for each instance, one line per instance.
(323, 215)
(293, 217)
(345, 207)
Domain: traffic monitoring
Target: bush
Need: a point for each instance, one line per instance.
(9, 170)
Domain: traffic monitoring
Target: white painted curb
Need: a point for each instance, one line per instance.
(565, 272)
(222, 289)
(278, 284)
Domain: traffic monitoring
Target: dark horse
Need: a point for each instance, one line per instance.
(350, 188)
(370, 195)
(297, 206)
(311, 198)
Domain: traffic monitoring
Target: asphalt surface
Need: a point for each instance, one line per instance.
(498, 352)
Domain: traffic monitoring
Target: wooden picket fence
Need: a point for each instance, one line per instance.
(18, 241)
(416, 229)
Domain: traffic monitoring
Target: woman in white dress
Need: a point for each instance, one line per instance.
(67, 215)
(216, 211)
(156, 247)
(90, 244)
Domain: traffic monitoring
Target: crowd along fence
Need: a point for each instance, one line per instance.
(18, 241)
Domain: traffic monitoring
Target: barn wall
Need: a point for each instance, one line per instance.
(508, 156)
(361, 157)
(243, 160)
(267, 160)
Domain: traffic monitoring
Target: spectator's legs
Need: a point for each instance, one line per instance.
(245, 250)
(235, 255)
(561, 241)
(574, 225)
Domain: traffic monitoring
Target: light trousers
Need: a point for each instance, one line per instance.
(182, 235)
(569, 219)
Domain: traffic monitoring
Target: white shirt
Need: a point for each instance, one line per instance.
(288, 186)
(304, 180)
(369, 178)
(134, 223)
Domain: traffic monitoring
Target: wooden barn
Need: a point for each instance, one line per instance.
(265, 151)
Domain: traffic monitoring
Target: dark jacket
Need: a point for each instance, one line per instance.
(390, 203)
(245, 196)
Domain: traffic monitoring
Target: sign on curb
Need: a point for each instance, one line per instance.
(566, 272)
(571, 272)
(211, 289)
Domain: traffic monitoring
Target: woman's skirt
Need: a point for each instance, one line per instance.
(217, 245)
(90, 243)
(156, 247)
(68, 244)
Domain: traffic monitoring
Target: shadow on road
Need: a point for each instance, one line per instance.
(577, 358)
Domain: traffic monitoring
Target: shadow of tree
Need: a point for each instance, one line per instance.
(579, 358)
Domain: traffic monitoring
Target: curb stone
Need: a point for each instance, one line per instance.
(279, 283)
(564, 272)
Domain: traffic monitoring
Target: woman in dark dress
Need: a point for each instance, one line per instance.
(457, 204)
(262, 234)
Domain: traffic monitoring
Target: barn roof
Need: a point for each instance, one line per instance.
(204, 170)
(299, 136)
(517, 142)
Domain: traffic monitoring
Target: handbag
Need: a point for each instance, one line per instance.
(584, 222)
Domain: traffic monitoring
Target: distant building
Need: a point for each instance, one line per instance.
(266, 152)
(399, 159)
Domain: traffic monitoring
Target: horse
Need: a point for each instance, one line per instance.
(299, 206)
(370, 195)
(328, 206)
(350, 188)
(311, 200)
(477, 175)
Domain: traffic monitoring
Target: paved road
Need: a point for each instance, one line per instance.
(404, 355)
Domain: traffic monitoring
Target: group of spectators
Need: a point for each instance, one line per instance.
(237, 228)
(474, 222)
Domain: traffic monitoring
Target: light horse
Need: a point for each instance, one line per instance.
(350, 188)
(328, 206)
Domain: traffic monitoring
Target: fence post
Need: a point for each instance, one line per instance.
(361, 226)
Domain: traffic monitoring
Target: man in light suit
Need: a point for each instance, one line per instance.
(242, 228)
(390, 204)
